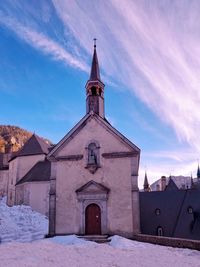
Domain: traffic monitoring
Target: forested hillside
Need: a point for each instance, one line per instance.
(13, 137)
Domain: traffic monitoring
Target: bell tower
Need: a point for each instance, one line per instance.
(95, 88)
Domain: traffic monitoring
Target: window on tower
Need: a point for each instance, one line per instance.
(94, 90)
(100, 91)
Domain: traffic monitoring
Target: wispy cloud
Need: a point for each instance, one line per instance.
(42, 42)
(151, 47)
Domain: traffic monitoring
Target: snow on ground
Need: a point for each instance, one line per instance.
(21, 223)
(71, 251)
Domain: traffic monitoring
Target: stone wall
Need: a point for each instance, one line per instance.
(168, 241)
(18, 167)
(3, 183)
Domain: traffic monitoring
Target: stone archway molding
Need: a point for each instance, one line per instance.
(93, 193)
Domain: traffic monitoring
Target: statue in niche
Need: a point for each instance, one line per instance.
(92, 163)
(92, 157)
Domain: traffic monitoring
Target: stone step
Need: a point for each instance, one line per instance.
(96, 238)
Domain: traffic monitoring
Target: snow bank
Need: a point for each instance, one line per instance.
(21, 223)
(65, 251)
(124, 243)
(71, 240)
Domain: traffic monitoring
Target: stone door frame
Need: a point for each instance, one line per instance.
(98, 197)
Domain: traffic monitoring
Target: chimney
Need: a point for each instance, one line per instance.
(163, 183)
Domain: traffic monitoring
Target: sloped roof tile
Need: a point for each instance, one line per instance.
(40, 172)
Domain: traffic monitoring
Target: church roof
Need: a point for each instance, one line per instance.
(95, 73)
(40, 172)
(34, 146)
(76, 129)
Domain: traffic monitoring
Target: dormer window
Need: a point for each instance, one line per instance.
(157, 212)
(190, 210)
(159, 231)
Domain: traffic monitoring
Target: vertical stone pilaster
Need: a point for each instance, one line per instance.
(135, 195)
(136, 211)
(52, 200)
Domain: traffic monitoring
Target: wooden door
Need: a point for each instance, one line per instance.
(93, 220)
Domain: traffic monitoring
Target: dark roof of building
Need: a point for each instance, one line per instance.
(171, 185)
(34, 146)
(95, 73)
(173, 215)
(40, 172)
(188, 224)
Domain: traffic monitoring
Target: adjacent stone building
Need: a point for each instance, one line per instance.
(29, 175)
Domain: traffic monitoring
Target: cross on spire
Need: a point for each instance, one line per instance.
(95, 44)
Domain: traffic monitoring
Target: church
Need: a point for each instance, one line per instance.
(88, 183)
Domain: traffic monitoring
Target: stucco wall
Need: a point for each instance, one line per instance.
(39, 197)
(18, 167)
(3, 182)
(114, 173)
(35, 194)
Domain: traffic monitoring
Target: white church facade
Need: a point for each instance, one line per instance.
(88, 182)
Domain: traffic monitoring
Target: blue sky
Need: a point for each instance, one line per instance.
(149, 58)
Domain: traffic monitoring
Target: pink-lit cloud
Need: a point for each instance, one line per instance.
(150, 47)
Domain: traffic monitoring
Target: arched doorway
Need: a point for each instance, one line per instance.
(93, 220)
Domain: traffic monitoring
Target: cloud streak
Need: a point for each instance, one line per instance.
(42, 42)
(151, 47)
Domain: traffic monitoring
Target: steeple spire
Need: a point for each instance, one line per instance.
(95, 73)
(198, 172)
(146, 183)
(95, 88)
(192, 182)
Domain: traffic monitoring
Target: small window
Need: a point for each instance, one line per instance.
(94, 91)
(190, 210)
(159, 231)
(100, 91)
(157, 212)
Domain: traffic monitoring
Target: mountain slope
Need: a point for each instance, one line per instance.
(12, 138)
